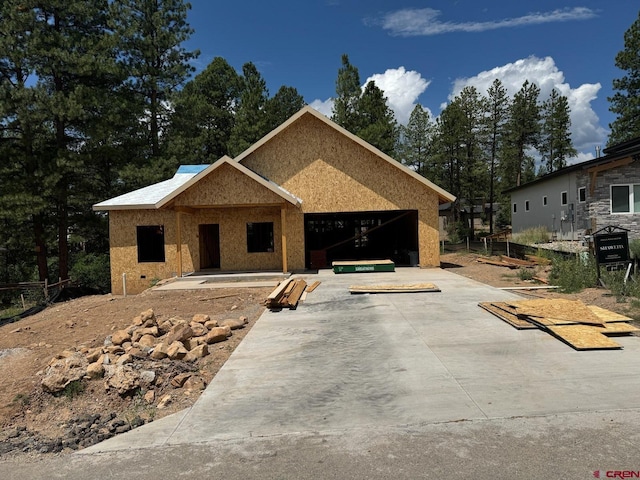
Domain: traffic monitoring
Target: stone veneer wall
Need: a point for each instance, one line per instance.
(599, 205)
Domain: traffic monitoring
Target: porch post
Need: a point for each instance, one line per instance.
(179, 243)
(283, 227)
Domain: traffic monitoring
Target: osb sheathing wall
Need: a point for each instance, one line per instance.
(227, 186)
(124, 249)
(233, 237)
(332, 173)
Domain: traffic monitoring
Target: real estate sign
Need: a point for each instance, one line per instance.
(611, 247)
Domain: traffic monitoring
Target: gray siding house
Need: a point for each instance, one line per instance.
(582, 198)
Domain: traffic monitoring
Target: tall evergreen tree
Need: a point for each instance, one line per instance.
(204, 115)
(151, 34)
(523, 135)
(285, 103)
(496, 119)
(348, 93)
(556, 145)
(625, 102)
(416, 143)
(250, 115)
(376, 123)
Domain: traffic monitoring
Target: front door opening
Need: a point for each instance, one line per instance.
(209, 245)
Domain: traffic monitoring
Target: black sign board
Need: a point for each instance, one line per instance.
(612, 247)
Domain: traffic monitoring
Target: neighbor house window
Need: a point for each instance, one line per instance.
(563, 198)
(150, 239)
(526, 205)
(582, 194)
(260, 237)
(625, 198)
(544, 201)
(515, 208)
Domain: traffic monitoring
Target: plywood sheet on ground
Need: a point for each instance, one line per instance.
(557, 311)
(506, 314)
(403, 288)
(583, 337)
(608, 316)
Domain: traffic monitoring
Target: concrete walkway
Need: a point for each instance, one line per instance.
(361, 363)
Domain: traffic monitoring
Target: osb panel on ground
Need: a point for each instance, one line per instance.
(557, 311)
(406, 288)
(506, 314)
(583, 337)
(607, 315)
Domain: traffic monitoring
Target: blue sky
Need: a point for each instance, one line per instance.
(427, 51)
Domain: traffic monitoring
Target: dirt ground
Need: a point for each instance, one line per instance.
(27, 346)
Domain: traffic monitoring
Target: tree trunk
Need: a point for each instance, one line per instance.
(40, 247)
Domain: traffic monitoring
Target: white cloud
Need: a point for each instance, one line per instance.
(424, 21)
(586, 131)
(324, 107)
(401, 87)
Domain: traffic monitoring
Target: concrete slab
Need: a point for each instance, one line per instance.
(356, 362)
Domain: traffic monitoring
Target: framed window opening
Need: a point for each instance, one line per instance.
(515, 208)
(259, 237)
(150, 241)
(544, 201)
(625, 199)
(526, 205)
(582, 194)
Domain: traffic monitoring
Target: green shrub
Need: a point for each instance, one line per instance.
(532, 236)
(575, 273)
(525, 274)
(74, 389)
(614, 281)
(91, 270)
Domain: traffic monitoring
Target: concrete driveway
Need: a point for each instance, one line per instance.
(360, 363)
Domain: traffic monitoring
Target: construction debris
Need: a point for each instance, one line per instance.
(288, 294)
(508, 262)
(408, 288)
(583, 327)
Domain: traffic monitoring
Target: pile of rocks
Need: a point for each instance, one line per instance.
(124, 359)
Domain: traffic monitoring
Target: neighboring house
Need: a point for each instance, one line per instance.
(306, 194)
(582, 198)
(480, 217)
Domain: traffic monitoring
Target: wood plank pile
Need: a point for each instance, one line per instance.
(583, 327)
(407, 288)
(289, 293)
(508, 262)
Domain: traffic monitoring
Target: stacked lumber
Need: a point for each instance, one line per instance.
(289, 293)
(583, 327)
(406, 288)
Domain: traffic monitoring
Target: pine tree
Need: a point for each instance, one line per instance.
(376, 123)
(204, 115)
(523, 134)
(556, 145)
(348, 93)
(416, 142)
(250, 116)
(625, 102)
(496, 119)
(285, 103)
(151, 34)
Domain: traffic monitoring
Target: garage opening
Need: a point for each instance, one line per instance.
(361, 236)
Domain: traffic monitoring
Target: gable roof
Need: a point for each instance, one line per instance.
(443, 195)
(161, 194)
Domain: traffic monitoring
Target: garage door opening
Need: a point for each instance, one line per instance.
(361, 236)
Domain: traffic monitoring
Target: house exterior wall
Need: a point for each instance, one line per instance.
(332, 173)
(599, 204)
(561, 220)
